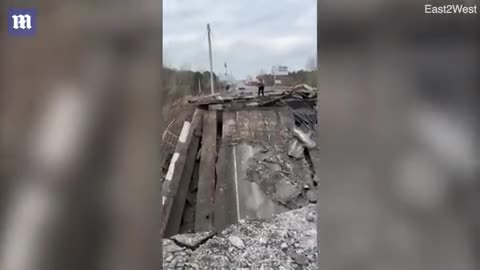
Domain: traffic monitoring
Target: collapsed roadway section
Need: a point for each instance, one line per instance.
(239, 157)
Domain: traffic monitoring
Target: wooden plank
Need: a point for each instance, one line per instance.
(175, 170)
(206, 181)
(176, 214)
(225, 205)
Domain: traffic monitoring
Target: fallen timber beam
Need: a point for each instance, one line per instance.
(224, 214)
(206, 181)
(176, 214)
(174, 175)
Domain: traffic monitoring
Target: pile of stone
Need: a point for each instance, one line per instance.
(288, 242)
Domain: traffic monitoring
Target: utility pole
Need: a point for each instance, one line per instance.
(199, 87)
(274, 75)
(226, 75)
(211, 61)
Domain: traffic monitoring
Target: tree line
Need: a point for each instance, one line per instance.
(180, 83)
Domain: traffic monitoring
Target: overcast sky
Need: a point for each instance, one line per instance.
(250, 35)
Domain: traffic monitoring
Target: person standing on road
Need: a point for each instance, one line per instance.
(261, 88)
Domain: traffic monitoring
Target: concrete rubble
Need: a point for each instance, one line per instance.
(304, 138)
(301, 91)
(301, 141)
(296, 149)
(282, 178)
(288, 242)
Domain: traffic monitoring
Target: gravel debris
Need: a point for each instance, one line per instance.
(288, 241)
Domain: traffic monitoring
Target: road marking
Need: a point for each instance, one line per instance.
(184, 133)
(171, 168)
(236, 182)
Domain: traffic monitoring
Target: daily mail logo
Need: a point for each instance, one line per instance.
(22, 21)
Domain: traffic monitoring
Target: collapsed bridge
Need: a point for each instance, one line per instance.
(239, 156)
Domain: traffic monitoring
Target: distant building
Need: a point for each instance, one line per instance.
(280, 75)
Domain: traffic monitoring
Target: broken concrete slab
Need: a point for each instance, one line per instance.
(296, 149)
(304, 137)
(253, 202)
(192, 241)
(170, 247)
(236, 241)
(285, 192)
(269, 170)
(304, 90)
